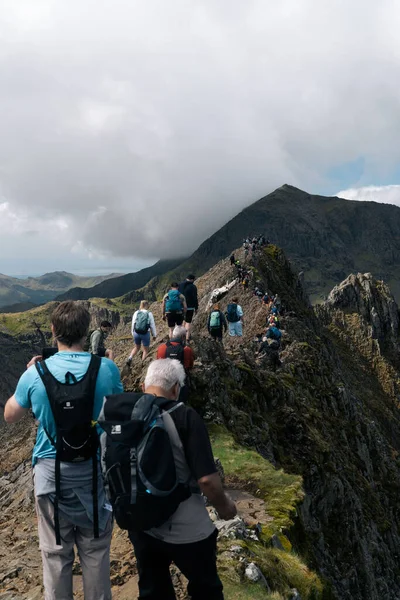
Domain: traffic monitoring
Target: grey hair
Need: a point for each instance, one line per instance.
(179, 332)
(165, 373)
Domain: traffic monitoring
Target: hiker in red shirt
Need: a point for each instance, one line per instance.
(176, 349)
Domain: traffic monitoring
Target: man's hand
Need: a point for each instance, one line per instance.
(33, 361)
(211, 487)
(228, 511)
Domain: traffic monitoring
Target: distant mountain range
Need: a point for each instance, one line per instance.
(37, 290)
(326, 238)
(121, 285)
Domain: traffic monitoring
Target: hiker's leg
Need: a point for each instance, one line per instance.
(153, 561)
(145, 337)
(171, 324)
(57, 560)
(231, 329)
(94, 556)
(188, 322)
(198, 563)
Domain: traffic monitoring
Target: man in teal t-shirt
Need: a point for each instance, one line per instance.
(70, 322)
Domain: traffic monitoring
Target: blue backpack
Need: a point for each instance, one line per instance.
(173, 302)
(232, 314)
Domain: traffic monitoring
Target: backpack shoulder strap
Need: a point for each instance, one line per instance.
(182, 467)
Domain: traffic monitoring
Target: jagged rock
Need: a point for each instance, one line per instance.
(253, 573)
(276, 543)
(235, 528)
(370, 298)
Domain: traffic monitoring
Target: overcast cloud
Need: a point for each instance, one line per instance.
(133, 130)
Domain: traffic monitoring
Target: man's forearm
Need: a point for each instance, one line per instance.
(211, 487)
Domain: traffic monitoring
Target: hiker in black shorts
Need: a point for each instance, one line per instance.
(189, 290)
(173, 308)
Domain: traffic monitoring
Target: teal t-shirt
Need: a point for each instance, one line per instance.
(31, 393)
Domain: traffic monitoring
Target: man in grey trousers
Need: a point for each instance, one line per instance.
(59, 391)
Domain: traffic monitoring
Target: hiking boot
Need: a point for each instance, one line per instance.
(129, 362)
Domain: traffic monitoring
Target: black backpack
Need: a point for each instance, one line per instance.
(231, 313)
(76, 439)
(175, 351)
(143, 461)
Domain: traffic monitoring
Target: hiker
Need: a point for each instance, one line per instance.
(266, 299)
(189, 290)
(97, 338)
(273, 320)
(232, 259)
(142, 324)
(166, 527)
(270, 352)
(278, 303)
(274, 333)
(65, 457)
(177, 349)
(173, 308)
(216, 323)
(234, 316)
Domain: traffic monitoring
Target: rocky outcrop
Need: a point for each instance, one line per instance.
(372, 301)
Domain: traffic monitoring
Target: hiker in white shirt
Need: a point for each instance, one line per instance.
(142, 324)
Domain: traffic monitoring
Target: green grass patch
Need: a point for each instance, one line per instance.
(27, 322)
(248, 591)
(281, 491)
(285, 570)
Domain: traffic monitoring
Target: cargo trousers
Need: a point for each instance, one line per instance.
(94, 556)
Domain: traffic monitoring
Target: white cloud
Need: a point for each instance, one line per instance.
(386, 194)
(173, 115)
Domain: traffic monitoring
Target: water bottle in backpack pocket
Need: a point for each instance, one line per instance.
(143, 461)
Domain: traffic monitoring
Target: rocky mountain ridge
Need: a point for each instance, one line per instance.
(325, 238)
(329, 415)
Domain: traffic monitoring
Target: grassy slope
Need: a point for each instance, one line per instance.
(283, 569)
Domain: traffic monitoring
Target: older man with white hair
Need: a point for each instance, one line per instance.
(189, 537)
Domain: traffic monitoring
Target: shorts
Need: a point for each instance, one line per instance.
(235, 329)
(189, 315)
(174, 318)
(216, 333)
(142, 338)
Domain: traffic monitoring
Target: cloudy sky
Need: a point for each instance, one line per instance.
(132, 130)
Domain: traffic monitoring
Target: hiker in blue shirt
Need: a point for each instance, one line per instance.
(71, 382)
(274, 333)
